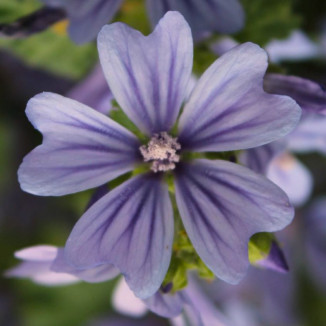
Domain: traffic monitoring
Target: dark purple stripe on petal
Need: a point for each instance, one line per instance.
(221, 205)
(132, 228)
(81, 148)
(148, 76)
(229, 110)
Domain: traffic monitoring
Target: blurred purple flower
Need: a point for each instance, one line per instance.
(221, 203)
(94, 92)
(315, 240)
(45, 265)
(275, 160)
(204, 16)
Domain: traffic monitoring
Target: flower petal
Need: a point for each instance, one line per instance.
(41, 253)
(259, 158)
(148, 76)
(310, 95)
(291, 176)
(224, 16)
(96, 274)
(221, 205)
(229, 110)
(165, 304)
(275, 260)
(94, 92)
(86, 17)
(310, 135)
(81, 148)
(132, 228)
(125, 302)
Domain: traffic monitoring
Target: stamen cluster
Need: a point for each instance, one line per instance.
(162, 152)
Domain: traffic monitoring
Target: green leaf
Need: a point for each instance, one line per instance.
(53, 52)
(266, 20)
(13, 9)
(259, 246)
(120, 117)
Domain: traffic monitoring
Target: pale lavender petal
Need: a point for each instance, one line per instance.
(40, 253)
(224, 16)
(296, 47)
(221, 205)
(86, 17)
(148, 76)
(132, 228)
(310, 95)
(229, 110)
(125, 302)
(36, 265)
(94, 92)
(40, 273)
(259, 158)
(223, 45)
(275, 260)
(96, 274)
(291, 176)
(81, 148)
(310, 135)
(165, 304)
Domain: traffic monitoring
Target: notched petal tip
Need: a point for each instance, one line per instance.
(222, 205)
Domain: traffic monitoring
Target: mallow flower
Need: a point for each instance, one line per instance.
(221, 203)
(277, 160)
(204, 16)
(45, 265)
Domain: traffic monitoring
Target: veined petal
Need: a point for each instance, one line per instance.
(224, 16)
(221, 205)
(148, 76)
(95, 274)
(130, 227)
(308, 94)
(81, 148)
(229, 110)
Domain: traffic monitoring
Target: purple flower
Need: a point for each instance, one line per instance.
(45, 265)
(204, 16)
(275, 160)
(221, 203)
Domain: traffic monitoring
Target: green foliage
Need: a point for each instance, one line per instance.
(266, 20)
(259, 246)
(120, 117)
(51, 50)
(13, 9)
(133, 13)
(66, 305)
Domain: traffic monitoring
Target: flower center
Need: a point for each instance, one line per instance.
(161, 151)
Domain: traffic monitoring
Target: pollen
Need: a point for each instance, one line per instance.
(162, 151)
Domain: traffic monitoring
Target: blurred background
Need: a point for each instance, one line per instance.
(50, 61)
